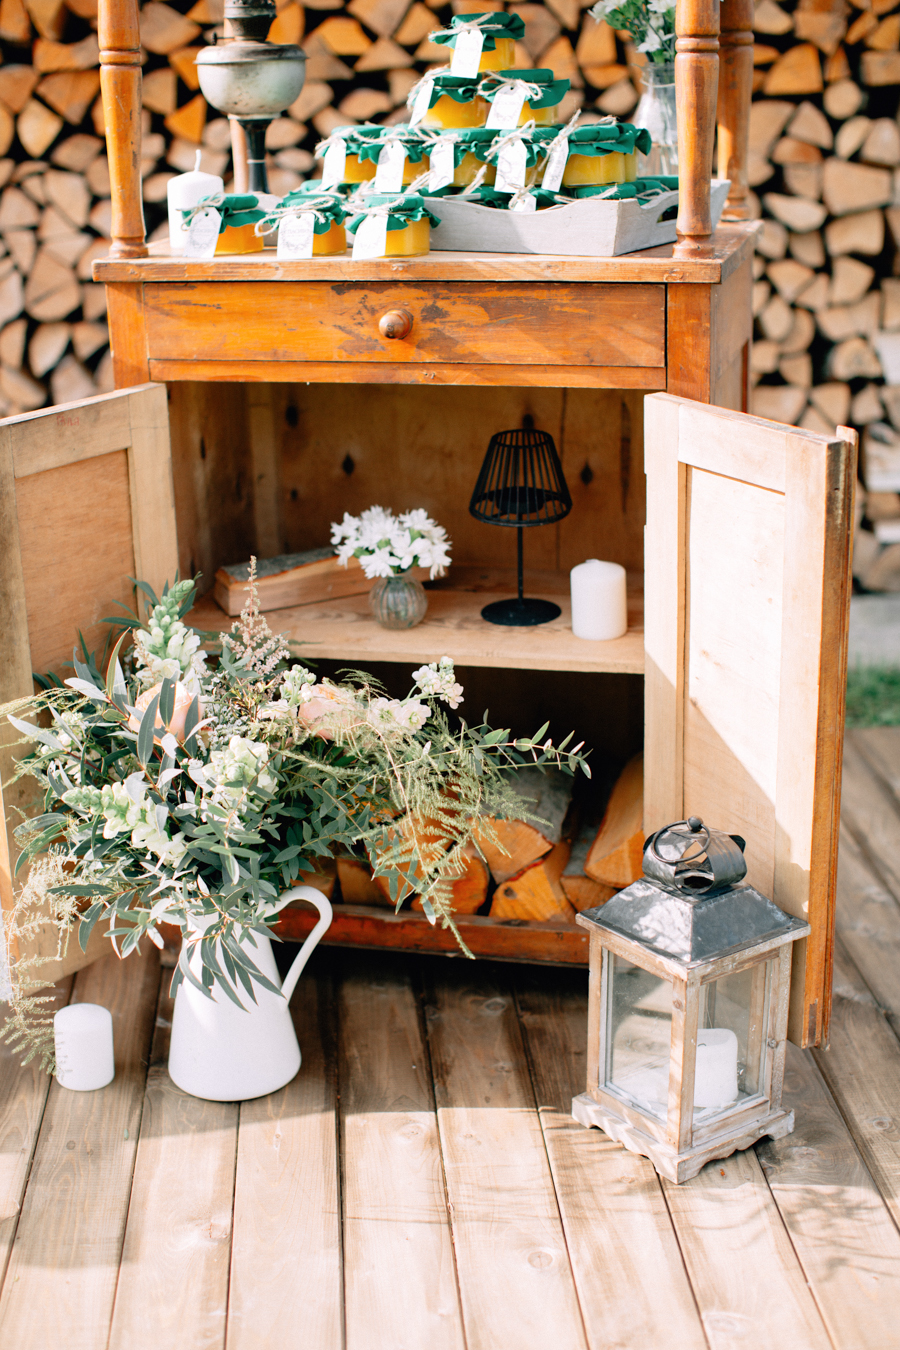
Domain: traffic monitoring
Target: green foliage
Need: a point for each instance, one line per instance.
(177, 793)
(873, 696)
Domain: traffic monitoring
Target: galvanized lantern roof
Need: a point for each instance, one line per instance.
(686, 907)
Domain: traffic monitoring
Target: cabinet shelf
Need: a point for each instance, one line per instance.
(344, 629)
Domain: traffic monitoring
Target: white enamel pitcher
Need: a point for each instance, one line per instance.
(225, 1054)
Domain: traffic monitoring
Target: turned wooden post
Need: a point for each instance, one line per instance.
(120, 85)
(735, 89)
(696, 83)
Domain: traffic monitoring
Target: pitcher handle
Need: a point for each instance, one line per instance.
(323, 905)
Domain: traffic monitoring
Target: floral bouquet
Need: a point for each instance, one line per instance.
(651, 24)
(388, 545)
(175, 791)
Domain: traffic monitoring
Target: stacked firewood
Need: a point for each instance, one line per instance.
(825, 163)
(559, 858)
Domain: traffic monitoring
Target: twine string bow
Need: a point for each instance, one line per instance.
(486, 22)
(314, 206)
(209, 203)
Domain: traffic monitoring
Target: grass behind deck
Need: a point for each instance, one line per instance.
(873, 696)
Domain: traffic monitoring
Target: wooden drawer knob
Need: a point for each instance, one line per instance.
(397, 323)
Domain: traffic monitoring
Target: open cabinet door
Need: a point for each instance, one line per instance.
(86, 500)
(747, 592)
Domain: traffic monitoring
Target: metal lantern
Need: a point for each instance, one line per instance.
(521, 483)
(688, 1005)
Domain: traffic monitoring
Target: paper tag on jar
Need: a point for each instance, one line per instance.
(556, 166)
(334, 164)
(511, 165)
(506, 108)
(295, 236)
(467, 52)
(391, 163)
(370, 240)
(526, 204)
(203, 234)
(443, 165)
(421, 103)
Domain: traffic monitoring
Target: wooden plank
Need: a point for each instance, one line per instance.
(127, 326)
(868, 921)
(265, 458)
(862, 1069)
(664, 604)
(453, 626)
(514, 1273)
(65, 1262)
(152, 489)
(615, 1219)
(434, 374)
(173, 1283)
(880, 747)
(749, 1286)
(503, 324)
(68, 434)
(395, 1213)
(834, 1215)
(23, 1096)
(726, 250)
(286, 1273)
(870, 809)
(691, 340)
(512, 940)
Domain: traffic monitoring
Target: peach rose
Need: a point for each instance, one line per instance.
(183, 700)
(330, 709)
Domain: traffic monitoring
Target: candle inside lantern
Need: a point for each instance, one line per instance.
(83, 1033)
(715, 1073)
(599, 604)
(184, 191)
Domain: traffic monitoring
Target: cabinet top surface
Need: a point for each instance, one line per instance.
(710, 263)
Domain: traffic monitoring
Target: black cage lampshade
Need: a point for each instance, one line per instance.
(521, 484)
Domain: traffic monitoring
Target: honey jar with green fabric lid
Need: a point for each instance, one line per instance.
(341, 158)
(604, 153)
(471, 148)
(499, 34)
(540, 91)
(239, 213)
(643, 188)
(328, 210)
(447, 101)
(415, 142)
(407, 219)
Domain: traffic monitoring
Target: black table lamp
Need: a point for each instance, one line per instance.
(521, 483)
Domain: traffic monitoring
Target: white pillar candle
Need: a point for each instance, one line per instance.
(599, 604)
(184, 191)
(83, 1033)
(715, 1074)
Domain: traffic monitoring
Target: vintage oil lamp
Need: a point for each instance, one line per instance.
(688, 1005)
(250, 79)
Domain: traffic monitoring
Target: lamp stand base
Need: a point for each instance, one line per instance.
(521, 613)
(669, 1163)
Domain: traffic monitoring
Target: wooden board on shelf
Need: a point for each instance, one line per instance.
(558, 944)
(453, 626)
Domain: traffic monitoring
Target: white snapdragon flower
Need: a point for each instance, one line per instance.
(439, 681)
(240, 767)
(297, 685)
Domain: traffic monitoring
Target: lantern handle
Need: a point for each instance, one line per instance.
(696, 827)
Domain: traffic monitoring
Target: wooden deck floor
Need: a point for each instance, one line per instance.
(420, 1185)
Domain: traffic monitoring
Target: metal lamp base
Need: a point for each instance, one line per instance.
(669, 1163)
(520, 613)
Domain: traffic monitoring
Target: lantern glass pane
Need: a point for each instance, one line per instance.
(731, 1040)
(639, 1036)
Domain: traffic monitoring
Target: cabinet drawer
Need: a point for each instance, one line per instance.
(508, 323)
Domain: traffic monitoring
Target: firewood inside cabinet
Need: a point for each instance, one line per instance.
(510, 846)
(615, 857)
(357, 885)
(537, 892)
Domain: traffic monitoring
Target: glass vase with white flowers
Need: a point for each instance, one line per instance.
(389, 548)
(651, 24)
(191, 790)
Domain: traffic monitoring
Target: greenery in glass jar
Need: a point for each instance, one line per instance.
(651, 24)
(179, 789)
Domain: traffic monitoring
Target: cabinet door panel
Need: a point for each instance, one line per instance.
(86, 499)
(747, 584)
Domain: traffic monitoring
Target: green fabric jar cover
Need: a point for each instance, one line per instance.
(601, 138)
(552, 90)
(639, 188)
(491, 26)
(416, 142)
(406, 209)
(461, 88)
(235, 209)
(329, 207)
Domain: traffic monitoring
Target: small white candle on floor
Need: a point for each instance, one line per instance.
(184, 191)
(715, 1073)
(599, 604)
(83, 1033)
